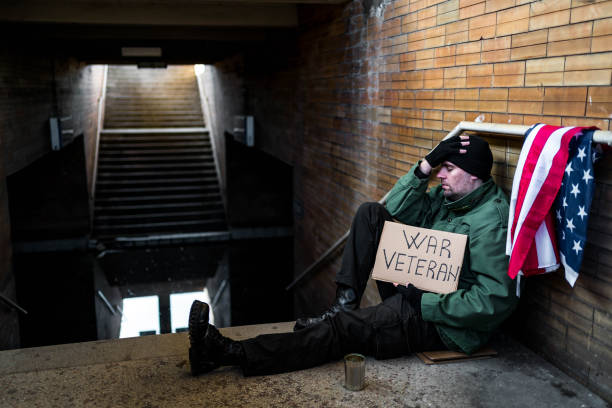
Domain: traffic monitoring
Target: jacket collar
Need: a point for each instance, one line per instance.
(467, 202)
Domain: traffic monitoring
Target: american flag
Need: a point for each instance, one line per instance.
(574, 202)
(538, 219)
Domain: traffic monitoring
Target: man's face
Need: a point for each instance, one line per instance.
(456, 182)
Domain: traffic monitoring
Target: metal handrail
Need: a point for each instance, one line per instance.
(493, 129)
(101, 113)
(331, 249)
(14, 305)
(497, 129)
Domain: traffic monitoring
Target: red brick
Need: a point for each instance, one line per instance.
(525, 107)
(549, 6)
(534, 51)
(602, 27)
(526, 94)
(592, 12)
(498, 43)
(570, 32)
(508, 80)
(564, 108)
(495, 56)
(512, 27)
(509, 68)
(601, 44)
(549, 20)
(498, 94)
(479, 81)
(591, 77)
(566, 94)
(513, 14)
(545, 65)
(544, 79)
(471, 11)
(530, 39)
(467, 59)
(579, 46)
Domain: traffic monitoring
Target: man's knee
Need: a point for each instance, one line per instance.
(371, 210)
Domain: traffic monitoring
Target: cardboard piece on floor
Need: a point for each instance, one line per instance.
(431, 260)
(447, 356)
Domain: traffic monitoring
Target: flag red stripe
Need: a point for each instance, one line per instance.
(524, 243)
(539, 140)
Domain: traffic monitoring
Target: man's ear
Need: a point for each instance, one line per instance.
(473, 178)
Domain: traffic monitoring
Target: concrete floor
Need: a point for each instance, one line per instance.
(153, 371)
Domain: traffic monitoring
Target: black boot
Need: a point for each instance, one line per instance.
(346, 299)
(209, 348)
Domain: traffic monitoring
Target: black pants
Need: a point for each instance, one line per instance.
(390, 329)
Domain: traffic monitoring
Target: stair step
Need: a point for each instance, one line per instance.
(120, 124)
(155, 166)
(154, 173)
(164, 198)
(183, 103)
(160, 138)
(191, 99)
(177, 103)
(156, 131)
(128, 144)
(200, 180)
(161, 224)
(153, 94)
(116, 160)
(169, 124)
(119, 190)
(123, 83)
(119, 84)
(158, 206)
(148, 112)
(155, 162)
(178, 149)
(210, 214)
(155, 120)
(145, 98)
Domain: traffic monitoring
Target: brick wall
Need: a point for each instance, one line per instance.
(375, 84)
(572, 326)
(37, 84)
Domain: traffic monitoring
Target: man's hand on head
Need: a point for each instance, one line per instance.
(446, 147)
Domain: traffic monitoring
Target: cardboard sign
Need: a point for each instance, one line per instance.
(431, 260)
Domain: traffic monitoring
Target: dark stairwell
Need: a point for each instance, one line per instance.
(156, 170)
(159, 212)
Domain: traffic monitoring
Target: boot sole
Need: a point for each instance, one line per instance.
(198, 317)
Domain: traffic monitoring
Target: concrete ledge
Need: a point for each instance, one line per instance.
(112, 351)
(153, 371)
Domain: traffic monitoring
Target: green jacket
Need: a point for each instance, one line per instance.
(486, 296)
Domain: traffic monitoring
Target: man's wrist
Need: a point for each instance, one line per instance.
(425, 168)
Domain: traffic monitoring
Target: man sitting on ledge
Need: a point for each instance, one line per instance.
(408, 320)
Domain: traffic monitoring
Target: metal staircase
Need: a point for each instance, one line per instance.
(156, 171)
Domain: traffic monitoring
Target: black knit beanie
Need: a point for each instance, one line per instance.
(478, 160)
